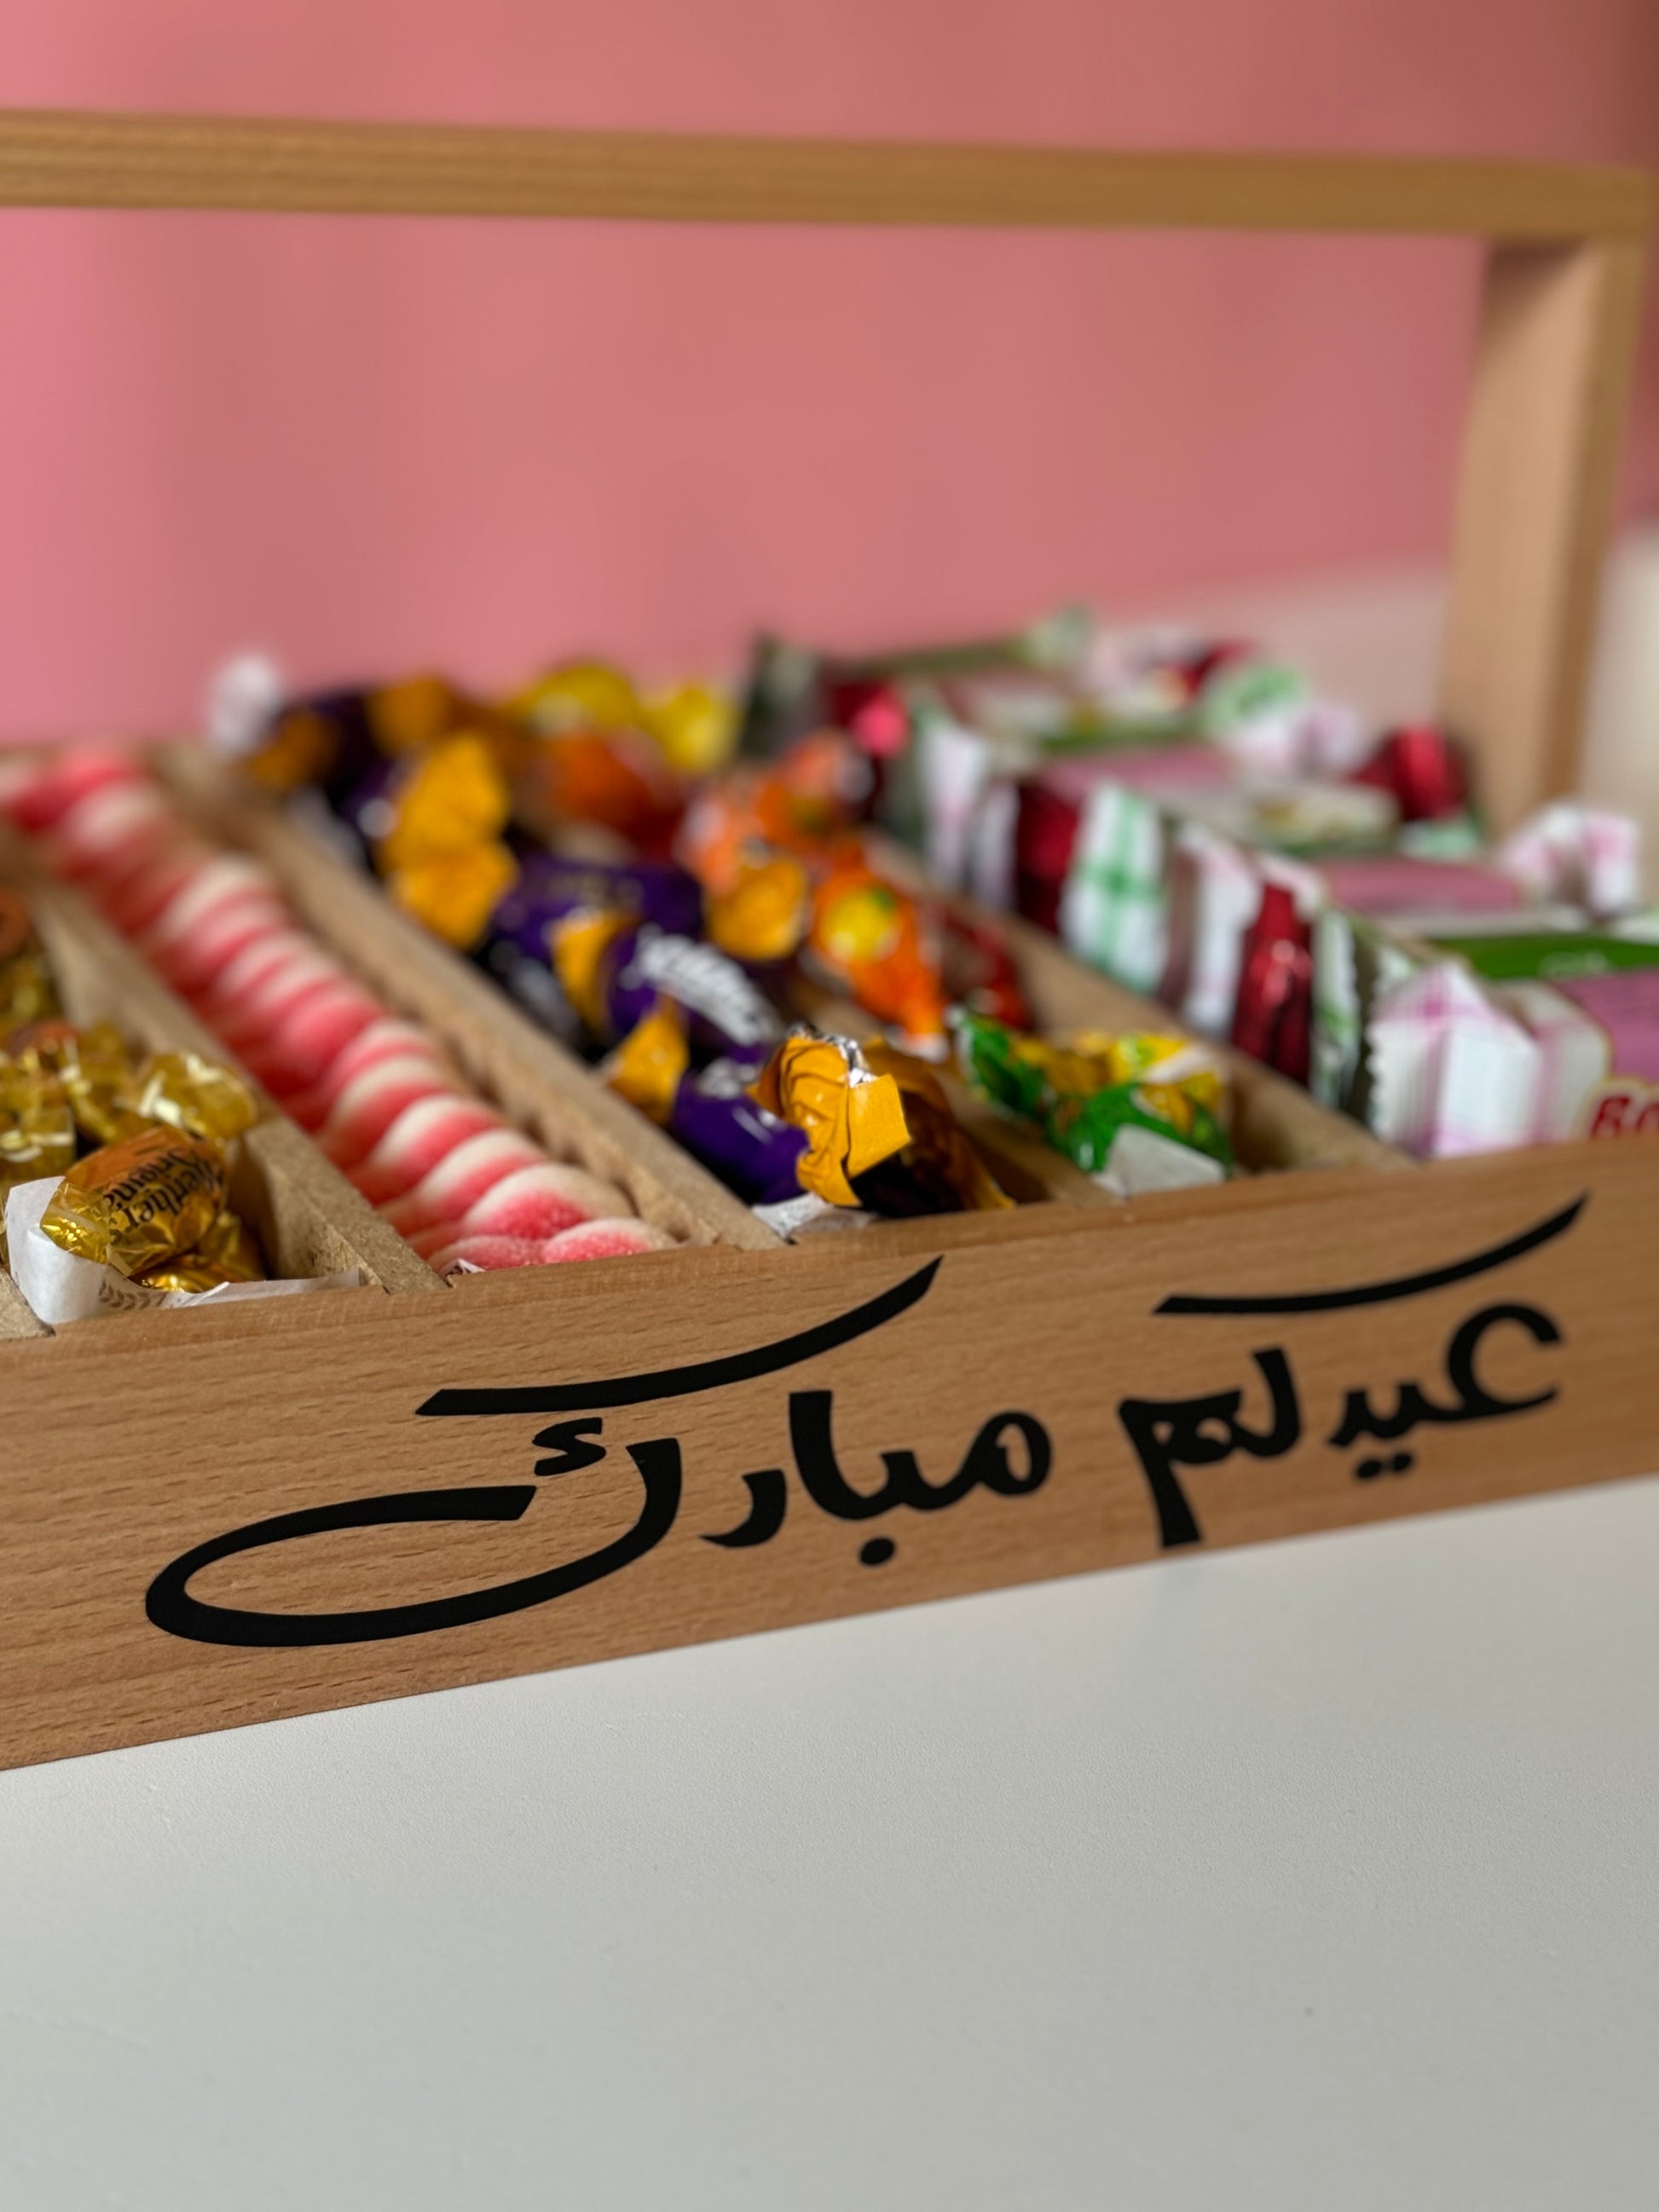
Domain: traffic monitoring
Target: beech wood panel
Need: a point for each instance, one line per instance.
(1070, 1323)
(1290, 1353)
(63, 158)
(1552, 369)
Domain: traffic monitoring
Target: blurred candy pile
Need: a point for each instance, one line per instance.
(727, 946)
(671, 881)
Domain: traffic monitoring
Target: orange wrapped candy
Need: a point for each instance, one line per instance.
(870, 938)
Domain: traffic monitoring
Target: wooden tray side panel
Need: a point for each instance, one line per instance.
(700, 1444)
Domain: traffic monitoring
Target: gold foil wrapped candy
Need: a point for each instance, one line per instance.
(95, 1068)
(141, 1202)
(187, 1092)
(37, 1129)
(227, 1254)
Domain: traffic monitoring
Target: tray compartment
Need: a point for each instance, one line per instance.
(308, 1218)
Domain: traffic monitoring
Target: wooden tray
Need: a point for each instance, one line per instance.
(228, 1516)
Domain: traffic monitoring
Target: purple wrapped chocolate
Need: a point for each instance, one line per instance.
(549, 888)
(751, 1152)
(727, 1012)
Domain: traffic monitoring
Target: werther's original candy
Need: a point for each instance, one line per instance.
(134, 1204)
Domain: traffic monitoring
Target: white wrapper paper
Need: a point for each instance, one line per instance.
(62, 1286)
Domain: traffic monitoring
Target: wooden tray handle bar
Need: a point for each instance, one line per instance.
(59, 158)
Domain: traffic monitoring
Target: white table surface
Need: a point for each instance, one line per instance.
(1321, 1875)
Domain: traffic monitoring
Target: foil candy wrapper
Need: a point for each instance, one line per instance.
(62, 1286)
(1135, 1112)
(136, 1203)
(880, 1134)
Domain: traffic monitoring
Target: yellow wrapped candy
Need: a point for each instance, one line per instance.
(851, 1114)
(647, 1066)
(696, 725)
(582, 695)
(37, 1129)
(454, 894)
(95, 1068)
(454, 796)
(763, 915)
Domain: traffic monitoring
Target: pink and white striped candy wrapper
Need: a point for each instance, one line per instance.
(1452, 1072)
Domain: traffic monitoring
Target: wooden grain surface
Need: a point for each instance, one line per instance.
(1545, 425)
(52, 158)
(129, 1445)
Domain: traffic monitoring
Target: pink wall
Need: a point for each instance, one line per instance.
(370, 445)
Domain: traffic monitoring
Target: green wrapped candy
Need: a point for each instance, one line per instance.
(1084, 1093)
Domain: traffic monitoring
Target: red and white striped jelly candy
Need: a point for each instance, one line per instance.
(41, 791)
(260, 959)
(111, 832)
(458, 1183)
(285, 982)
(368, 1105)
(137, 900)
(421, 1138)
(607, 1240)
(311, 1036)
(388, 1038)
(592, 1240)
(486, 1252)
(541, 1201)
(219, 878)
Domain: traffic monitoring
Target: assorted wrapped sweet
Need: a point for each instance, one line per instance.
(658, 910)
(878, 1129)
(37, 1126)
(1484, 1040)
(142, 1201)
(1195, 822)
(1136, 1112)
